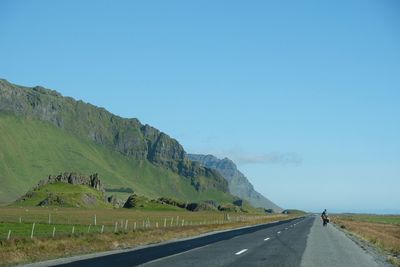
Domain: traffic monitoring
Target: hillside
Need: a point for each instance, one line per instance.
(43, 132)
(239, 185)
(64, 195)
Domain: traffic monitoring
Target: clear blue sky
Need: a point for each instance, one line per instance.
(303, 95)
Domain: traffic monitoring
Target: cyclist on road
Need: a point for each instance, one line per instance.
(324, 217)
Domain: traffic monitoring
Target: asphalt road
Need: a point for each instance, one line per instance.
(301, 242)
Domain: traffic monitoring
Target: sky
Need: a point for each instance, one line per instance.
(304, 96)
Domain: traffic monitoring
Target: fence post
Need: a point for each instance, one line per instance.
(177, 220)
(183, 222)
(95, 220)
(20, 220)
(116, 227)
(102, 229)
(33, 230)
(126, 225)
(54, 231)
(134, 226)
(49, 218)
(9, 235)
(88, 230)
(172, 222)
(156, 224)
(73, 229)
(165, 222)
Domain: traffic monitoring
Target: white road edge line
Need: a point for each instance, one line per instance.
(241, 252)
(266, 239)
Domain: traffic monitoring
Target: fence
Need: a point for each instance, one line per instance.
(42, 223)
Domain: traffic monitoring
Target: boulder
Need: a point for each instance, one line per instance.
(131, 202)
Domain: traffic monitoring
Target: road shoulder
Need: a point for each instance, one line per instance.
(327, 246)
(379, 256)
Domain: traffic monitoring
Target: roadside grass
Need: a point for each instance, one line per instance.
(383, 231)
(110, 216)
(387, 219)
(22, 249)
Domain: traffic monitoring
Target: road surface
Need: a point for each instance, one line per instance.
(301, 242)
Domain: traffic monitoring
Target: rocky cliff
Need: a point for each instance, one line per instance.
(127, 136)
(92, 181)
(239, 185)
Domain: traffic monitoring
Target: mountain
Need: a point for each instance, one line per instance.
(42, 132)
(238, 183)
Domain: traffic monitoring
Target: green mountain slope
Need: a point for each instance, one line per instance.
(43, 133)
(31, 150)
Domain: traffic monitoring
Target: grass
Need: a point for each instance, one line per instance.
(386, 219)
(108, 217)
(72, 196)
(31, 150)
(87, 237)
(383, 231)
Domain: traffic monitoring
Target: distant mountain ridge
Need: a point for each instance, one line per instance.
(84, 122)
(239, 185)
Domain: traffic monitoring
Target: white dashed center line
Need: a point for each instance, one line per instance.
(278, 232)
(241, 252)
(266, 239)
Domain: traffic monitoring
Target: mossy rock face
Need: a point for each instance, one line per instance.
(229, 208)
(43, 132)
(64, 195)
(53, 200)
(131, 202)
(126, 136)
(238, 202)
(172, 202)
(200, 207)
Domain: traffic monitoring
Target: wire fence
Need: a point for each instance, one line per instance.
(19, 223)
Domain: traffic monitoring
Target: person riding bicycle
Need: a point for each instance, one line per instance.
(324, 217)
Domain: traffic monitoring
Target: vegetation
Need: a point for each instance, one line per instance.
(144, 156)
(382, 231)
(30, 150)
(386, 219)
(79, 231)
(121, 190)
(64, 195)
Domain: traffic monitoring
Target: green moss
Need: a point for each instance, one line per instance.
(66, 195)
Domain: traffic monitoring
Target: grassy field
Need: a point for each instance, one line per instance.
(30, 150)
(381, 230)
(78, 231)
(20, 220)
(387, 219)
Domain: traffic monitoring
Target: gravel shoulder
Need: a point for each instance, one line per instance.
(328, 246)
